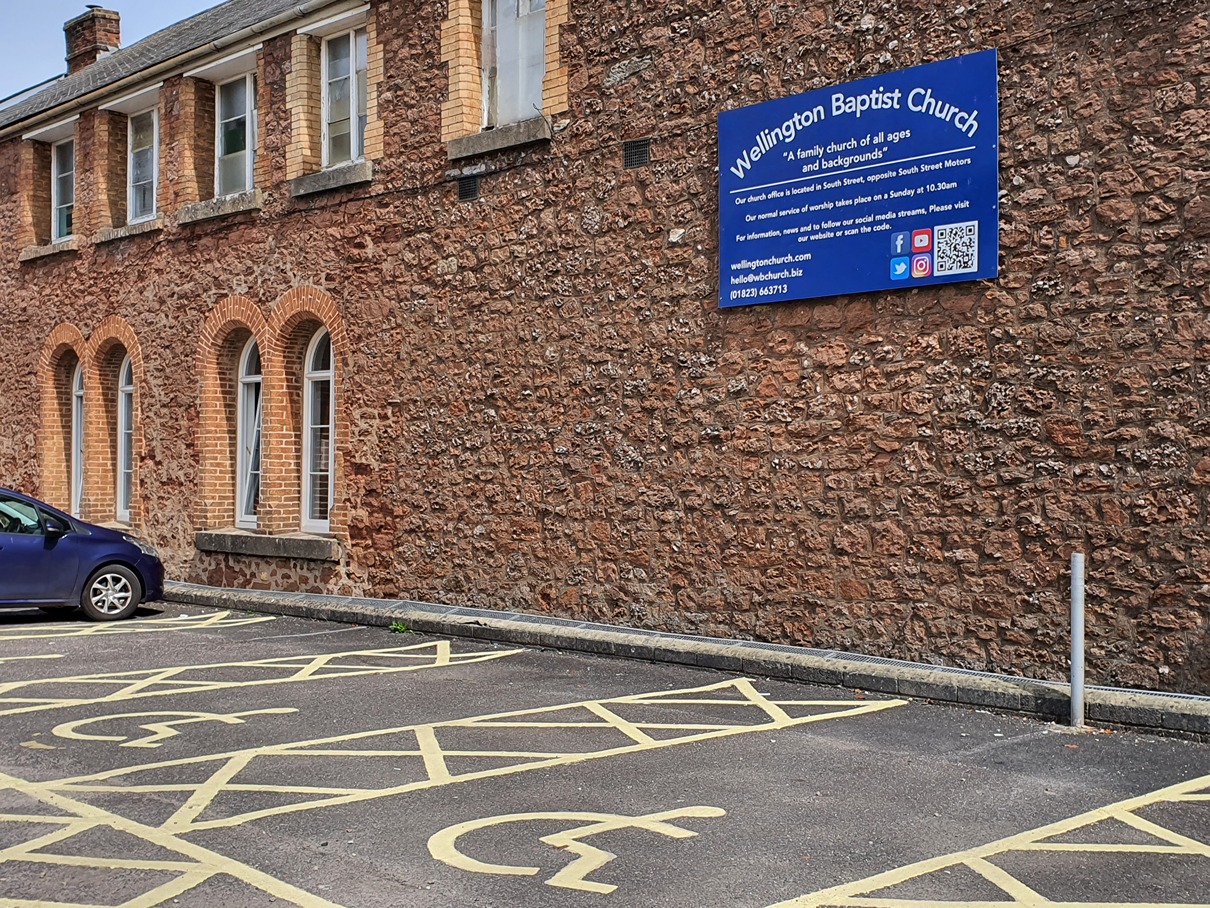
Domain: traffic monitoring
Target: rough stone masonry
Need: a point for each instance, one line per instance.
(544, 410)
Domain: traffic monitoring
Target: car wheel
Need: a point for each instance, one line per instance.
(111, 593)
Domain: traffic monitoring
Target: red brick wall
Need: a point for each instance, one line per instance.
(540, 406)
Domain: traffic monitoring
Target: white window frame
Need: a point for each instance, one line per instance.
(55, 202)
(125, 452)
(251, 137)
(249, 450)
(357, 139)
(77, 439)
(311, 377)
(155, 166)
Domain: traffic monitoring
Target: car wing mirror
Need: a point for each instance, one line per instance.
(54, 528)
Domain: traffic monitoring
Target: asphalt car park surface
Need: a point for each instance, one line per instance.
(193, 757)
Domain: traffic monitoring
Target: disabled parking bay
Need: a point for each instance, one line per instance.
(193, 757)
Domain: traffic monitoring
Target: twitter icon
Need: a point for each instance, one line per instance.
(900, 267)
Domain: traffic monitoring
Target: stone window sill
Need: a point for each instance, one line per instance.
(219, 208)
(109, 234)
(302, 546)
(30, 253)
(333, 178)
(527, 132)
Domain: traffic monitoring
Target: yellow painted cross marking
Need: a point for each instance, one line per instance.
(140, 626)
(444, 845)
(426, 751)
(191, 865)
(52, 693)
(868, 893)
(160, 731)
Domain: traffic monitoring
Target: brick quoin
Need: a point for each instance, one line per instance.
(539, 404)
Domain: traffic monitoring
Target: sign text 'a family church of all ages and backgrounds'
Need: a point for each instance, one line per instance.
(888, 182)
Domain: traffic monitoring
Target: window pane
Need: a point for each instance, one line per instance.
(338, 100)
(65, 158)
(125, 493)
(233, 99)
(63, 222)
(65, 189)
(252, 495)
(143, 166)
(233, 174)
(338, 57)
(19, 517)
(233, 136)
(143, 201)
(321, 356)
(321, 403)
(252, 361)
(142, 129)
(320, 486)
(340, 148)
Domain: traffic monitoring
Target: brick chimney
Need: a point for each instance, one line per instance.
(97, 32)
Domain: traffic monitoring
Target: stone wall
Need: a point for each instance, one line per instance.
(546, 411)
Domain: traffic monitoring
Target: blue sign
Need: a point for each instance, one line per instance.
(884, 183)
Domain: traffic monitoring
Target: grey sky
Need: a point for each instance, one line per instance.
(34, 48)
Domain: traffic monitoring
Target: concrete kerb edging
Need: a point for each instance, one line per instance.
(1173, 713)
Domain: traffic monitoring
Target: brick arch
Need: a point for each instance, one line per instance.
(108, 344)
(295, 318)
(63, 350)
(224, 333)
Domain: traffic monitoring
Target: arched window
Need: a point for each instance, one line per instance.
(317, 435)
(77, 439)
(125, 478)
(248, 429)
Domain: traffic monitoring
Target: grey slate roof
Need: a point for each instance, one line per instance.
(186, 35)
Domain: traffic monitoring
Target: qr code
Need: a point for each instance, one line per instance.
(956, 248)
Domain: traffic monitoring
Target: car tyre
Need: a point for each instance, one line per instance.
(112, 593)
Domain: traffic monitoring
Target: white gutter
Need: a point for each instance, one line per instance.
(269, 28)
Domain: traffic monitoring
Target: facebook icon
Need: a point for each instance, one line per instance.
(901, 243)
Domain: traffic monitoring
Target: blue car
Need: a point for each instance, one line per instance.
(53, 561)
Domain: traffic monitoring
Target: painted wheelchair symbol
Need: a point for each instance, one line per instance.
(444, 845)
(168, 727)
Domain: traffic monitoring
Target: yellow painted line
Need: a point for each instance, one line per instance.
(857, 894)
(172, 681)
(427, 738)
(1006, 881)
(137, 626)
(434, 759)
(204, 863)
(1154, 829)
(627, 728)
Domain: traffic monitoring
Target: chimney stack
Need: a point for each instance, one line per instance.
(97, 32)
